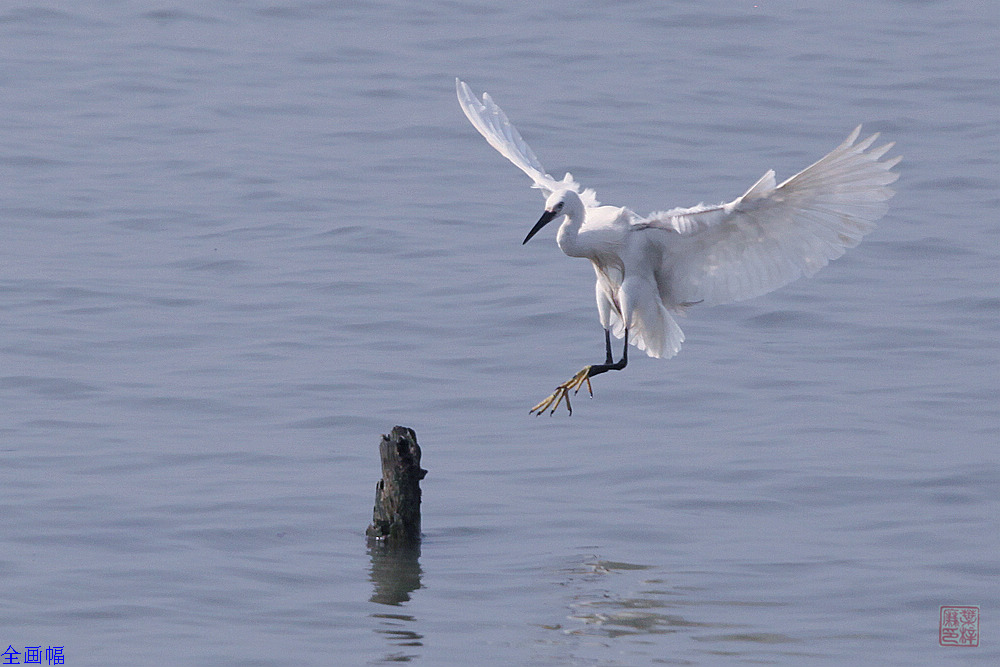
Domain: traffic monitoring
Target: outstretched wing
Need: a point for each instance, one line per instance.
(774, 234)
(494, 125)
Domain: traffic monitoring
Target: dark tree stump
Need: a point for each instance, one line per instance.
(396, 518)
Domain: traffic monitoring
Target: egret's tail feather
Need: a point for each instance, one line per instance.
(659, 337)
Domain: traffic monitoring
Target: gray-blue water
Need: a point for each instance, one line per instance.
(240, 240)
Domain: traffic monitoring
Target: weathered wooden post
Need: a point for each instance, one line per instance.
(396, 517)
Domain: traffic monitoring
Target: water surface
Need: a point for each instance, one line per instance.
(240, 242)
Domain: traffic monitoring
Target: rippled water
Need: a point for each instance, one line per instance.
(241, 241)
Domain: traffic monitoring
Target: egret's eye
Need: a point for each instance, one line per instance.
(557, 207)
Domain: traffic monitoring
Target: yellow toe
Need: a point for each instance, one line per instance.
(562, 393)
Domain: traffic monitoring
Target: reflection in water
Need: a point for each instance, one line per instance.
(395, 574)
(621, 603)
(611, 615)
(394, 630)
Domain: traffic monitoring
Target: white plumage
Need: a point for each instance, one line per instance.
(649, 268)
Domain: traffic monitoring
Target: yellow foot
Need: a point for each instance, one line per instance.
(561, 393)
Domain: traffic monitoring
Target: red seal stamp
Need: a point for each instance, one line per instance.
(959, 626)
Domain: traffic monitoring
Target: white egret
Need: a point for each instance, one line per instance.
(651, 268)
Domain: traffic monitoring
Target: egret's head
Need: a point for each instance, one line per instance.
(560, 202)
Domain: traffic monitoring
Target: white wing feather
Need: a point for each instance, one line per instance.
(772, 234)
(497, 129)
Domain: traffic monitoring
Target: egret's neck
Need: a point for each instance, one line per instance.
(568, 236)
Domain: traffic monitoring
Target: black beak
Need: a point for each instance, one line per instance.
(546, 218)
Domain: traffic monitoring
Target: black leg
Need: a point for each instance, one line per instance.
(583, 377)
(597, 369)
